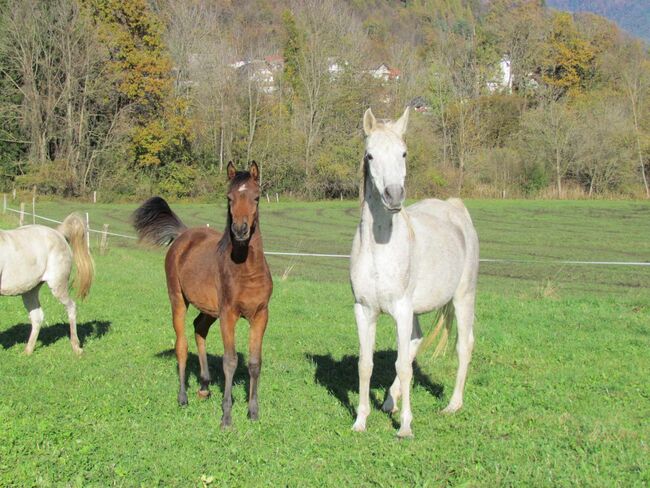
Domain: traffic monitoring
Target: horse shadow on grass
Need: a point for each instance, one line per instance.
(215, 363)
(19, 333)
(342, 377)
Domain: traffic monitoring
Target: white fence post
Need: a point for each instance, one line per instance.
(22, 214)
(94, 196)
(277, 198)
(33, 210)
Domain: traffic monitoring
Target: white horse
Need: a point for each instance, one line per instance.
(35, 254)
(405, 262)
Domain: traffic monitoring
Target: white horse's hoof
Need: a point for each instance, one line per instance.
(28, 352)
(359, 426)
(405, 434)
(453, 407)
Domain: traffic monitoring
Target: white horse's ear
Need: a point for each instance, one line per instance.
(369, 122)
(399, 126)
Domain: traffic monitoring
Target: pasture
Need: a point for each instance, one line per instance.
(558, 391)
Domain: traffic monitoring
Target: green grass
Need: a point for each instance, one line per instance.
(558, 392)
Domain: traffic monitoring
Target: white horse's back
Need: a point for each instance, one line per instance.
(29, 255)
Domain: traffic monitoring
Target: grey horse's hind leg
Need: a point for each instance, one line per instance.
(464, 309)
(393, 393)
(33, 306)
(60, 291)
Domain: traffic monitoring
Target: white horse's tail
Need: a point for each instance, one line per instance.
(458, 203)
(444, 321)
(74, 230)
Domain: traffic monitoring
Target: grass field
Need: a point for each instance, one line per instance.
(558, 392)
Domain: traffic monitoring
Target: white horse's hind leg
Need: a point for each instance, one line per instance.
(464, 308)
(390, 404)
(366, 326)
(36, 316)
(60, 291)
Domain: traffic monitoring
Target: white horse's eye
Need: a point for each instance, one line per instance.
(368, 156)
(404, 155)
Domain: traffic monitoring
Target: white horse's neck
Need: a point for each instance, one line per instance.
(379, 226)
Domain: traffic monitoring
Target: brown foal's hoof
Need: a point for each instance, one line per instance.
(204, 394)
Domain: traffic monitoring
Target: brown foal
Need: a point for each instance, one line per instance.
(224, 275)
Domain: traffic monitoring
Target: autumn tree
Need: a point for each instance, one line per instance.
(142, 69)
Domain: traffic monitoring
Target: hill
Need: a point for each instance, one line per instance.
(631, 15)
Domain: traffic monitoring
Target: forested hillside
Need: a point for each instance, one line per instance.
(134, 97)
(631, 15)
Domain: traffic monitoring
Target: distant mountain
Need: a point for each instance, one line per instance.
(631, 15)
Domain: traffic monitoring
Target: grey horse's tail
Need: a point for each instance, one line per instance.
(74, 229)
(155, 222)
(444, 322)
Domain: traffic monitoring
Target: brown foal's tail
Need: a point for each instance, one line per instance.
(74, 230)
(155, 222)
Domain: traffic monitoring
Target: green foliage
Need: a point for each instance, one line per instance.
(177, 180)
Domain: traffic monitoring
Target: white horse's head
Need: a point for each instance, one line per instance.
(385, 158)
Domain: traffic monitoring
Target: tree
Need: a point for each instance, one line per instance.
(548, 135)
(568, 57)
(629, 68)
(142, 68)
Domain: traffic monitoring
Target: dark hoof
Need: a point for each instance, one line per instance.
(204, 394)
(389, 405)
(226, 423)
(253, 415)
(182, 399)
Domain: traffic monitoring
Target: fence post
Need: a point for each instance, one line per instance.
(34, 209)
(4, 203)
(88, 230)
(268, 200)
(94, 196)
(22, 214)
(277, 198)
(14, 194)
(103, 244)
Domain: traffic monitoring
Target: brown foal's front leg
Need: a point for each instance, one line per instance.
(227, 320)
(256, 334)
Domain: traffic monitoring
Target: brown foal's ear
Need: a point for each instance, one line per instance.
(255, 171)
(232, 171)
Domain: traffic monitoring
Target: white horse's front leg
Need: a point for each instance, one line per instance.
(403, 315)
(394, 392)
(366, 326)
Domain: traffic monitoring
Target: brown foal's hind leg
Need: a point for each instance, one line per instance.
(202, 325)
(227, 320)
(179, 309)
(256, 334)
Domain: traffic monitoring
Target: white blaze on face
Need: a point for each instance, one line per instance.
(242, 188)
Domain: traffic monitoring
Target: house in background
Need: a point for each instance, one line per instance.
(385, 73)
(503, 79)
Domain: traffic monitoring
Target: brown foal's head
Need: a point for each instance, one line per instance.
(243, 197)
